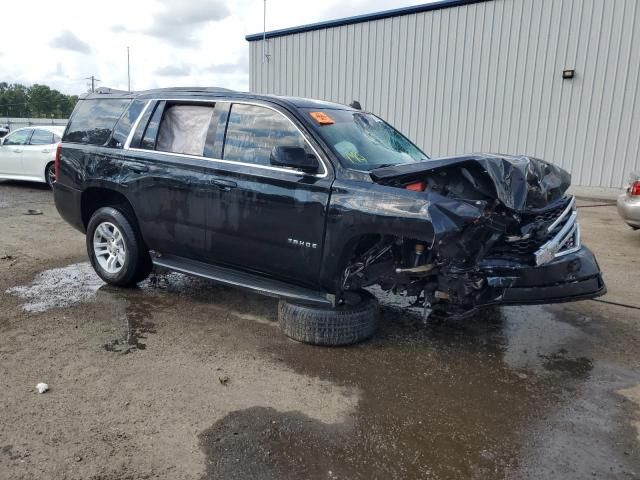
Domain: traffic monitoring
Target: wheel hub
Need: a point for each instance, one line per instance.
(109, 247)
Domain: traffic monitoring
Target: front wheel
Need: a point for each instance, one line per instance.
(116, 250)
(343, 325)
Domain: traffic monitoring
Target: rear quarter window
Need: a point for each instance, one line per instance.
(92, 121)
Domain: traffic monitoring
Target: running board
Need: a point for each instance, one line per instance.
(247, 281)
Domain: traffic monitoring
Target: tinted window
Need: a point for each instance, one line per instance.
(123, 127)
(18, 138)
(253, 131)
(215, 136)
(41, 137)
(93, 120)
(151, 133)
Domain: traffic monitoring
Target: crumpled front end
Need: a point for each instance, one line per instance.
(521, 246)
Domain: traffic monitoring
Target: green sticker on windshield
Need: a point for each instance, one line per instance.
(355, 157)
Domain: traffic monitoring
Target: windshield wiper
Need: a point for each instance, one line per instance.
(383, 165)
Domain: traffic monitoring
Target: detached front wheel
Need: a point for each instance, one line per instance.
(116, 249)
(344, 325)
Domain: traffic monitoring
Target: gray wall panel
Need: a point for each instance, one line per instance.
(484, 77)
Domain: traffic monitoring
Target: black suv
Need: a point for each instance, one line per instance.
(311, 202)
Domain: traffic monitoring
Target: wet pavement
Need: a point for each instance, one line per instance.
(138, 387)
(436, 400)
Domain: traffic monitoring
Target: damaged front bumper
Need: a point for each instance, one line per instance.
(569, 277)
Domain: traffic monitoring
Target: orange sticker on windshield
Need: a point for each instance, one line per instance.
(322, 118)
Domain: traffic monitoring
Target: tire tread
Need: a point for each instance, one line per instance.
(343, 325)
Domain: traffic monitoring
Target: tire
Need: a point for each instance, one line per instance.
(50, 174)
(132, 263)
(343, 325)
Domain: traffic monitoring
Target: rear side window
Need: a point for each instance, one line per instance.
(253, 131)
(92, 121)
(184, 129)
(41, 137)
(187, 128)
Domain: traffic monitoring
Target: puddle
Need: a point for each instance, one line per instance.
(536, 340)
(59, 287)
(130, 319)
(271, 445)
(461, 399)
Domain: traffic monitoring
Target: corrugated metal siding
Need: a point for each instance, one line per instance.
(484, 77)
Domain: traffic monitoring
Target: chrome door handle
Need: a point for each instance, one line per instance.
(138, 167)
(224, 185)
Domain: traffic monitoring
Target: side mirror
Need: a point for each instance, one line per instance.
(294, 157)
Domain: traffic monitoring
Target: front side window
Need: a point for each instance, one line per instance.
(41, 137)
(363, 141)
(18, 138)
(253, 131)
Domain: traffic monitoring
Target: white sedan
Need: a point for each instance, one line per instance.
(29, 154)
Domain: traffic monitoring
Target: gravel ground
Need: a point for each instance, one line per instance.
(184, 379)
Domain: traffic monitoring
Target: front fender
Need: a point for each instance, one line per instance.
(359, 209)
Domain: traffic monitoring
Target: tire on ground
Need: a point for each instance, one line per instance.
(49, 174)
(137, 264)
(343, 325)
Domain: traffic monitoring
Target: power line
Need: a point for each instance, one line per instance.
(93, 82)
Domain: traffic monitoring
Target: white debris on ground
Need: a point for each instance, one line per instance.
(59, 287)
(42, 387)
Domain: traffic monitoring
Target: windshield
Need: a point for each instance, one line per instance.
(363, 141)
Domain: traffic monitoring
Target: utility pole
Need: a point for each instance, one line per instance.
(128, 72)
(264, 33)
(93, 82)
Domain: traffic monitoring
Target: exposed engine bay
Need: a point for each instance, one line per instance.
(493, 218)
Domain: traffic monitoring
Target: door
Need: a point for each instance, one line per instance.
(166, 177)
(11, 152)
(38, 152)
(261, 217)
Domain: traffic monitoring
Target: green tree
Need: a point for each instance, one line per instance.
(38, 101)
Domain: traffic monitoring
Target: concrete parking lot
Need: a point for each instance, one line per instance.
(184, 379)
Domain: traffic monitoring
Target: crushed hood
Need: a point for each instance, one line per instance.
(519, 182)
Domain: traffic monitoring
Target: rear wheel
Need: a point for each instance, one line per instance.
(344, 325)
(116, 249)
(50, 175)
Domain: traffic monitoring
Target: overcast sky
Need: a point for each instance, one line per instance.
(173, 42)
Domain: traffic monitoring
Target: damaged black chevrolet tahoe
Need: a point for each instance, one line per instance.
(312, 202)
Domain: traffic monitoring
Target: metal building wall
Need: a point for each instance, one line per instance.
(484, 77)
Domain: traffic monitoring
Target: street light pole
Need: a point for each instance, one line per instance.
(128, 72)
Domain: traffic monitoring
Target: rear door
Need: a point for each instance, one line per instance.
(11, 152)
(167, 176)
(265, 218)
(38, 152)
